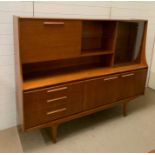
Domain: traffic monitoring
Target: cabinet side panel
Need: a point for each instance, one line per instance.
(18, 73)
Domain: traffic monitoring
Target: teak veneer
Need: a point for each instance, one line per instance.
(70, 68)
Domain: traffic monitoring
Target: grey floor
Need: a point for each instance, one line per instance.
(106, 131)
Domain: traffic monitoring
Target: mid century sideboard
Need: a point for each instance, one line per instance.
(70, 68)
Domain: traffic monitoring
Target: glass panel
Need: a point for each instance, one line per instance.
(128, 42)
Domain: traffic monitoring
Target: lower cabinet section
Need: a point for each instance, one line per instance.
(48, 104)
(113, 88)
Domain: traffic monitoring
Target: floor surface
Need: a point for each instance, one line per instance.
(10, 141)
(106, 131)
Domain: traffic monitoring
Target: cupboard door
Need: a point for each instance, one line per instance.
(133, 83)
(101, 91)
(44, 105)
(49, 39)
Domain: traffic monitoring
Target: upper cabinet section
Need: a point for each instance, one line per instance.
(128, 42)
(120, 42)
(49, 39)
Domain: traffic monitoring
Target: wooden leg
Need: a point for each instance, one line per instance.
(125, 109)
(54, 131)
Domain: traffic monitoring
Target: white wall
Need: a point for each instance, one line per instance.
(7, 73)
(151, 83)
(95, 10)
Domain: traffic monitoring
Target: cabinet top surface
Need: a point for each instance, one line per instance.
(128, 20)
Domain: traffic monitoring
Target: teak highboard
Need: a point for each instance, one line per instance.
(70, 68)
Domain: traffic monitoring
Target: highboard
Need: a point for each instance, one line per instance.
(70, 68)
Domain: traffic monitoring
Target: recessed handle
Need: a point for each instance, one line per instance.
(127, 75)
(56, 111)
(110, 78)
(53, 23)
(56, 89)
(56, 99)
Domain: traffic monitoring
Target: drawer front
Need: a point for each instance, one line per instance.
(49, 39)
(102, 91)
(56, 92)
(133, 83)
(41, 106)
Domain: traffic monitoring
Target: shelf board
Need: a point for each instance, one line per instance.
(95, 52)
(87, 36)
(96, 36)
(74, 75)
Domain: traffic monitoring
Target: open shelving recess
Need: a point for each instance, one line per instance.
(49, 79)
(98, 37)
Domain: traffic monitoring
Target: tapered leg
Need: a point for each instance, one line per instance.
(125, 108)
(54, 131)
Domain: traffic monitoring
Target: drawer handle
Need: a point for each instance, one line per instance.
(127, 75)
(56, 111)
(53, 23)
(56, 99)
(110, 78)
(57, 89)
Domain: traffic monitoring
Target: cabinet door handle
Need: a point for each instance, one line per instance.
(110, 78)
(53, 23)
(56, 89)
(127, 75)
(56, 99)
(56, 111)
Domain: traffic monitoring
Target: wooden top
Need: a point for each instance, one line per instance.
(61, 78)
(132, 19)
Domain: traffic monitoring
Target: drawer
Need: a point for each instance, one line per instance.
(49, 39)
(56, 92)
(38, 115)
(43, 105)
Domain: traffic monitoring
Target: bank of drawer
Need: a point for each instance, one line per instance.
(39, 109)
(49, 39)
(44, 105)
